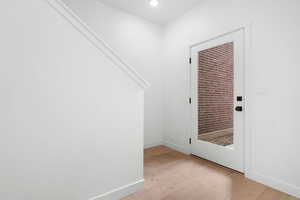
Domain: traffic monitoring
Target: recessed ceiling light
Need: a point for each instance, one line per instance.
(153, 3)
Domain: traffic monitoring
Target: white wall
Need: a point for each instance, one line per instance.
(274, 77)
(71, 121)
(139, 43)
(50, 94)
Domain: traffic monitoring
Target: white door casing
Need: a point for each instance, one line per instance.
(229, 156)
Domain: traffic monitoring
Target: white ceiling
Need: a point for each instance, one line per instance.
(166, 11)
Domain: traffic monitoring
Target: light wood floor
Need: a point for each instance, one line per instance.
(170, 175)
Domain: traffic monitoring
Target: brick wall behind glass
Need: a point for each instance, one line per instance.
(215, 88)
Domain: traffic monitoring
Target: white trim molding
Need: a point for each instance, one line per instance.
(177, 147)
(96, 40)
(275, 183)
(147, 146)
(120, 192)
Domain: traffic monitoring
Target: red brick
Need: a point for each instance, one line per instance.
(215, 88)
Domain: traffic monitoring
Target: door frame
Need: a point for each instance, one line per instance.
(247, 89)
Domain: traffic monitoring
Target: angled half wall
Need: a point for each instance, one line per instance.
(71, 111)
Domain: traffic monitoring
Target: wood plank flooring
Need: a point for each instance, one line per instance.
(170, 175)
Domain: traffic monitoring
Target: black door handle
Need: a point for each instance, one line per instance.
(239, 108)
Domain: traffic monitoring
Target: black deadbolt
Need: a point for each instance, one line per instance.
(239, 108)
(239, 98)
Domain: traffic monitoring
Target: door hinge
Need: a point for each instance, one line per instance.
(190, 100)
(190, 60)
(190, 141)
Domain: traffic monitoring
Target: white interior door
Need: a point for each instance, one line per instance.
(217, 93)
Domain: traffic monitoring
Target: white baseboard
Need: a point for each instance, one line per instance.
(121, 192)
(275, 183)
(178, 148)
(147, 146)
